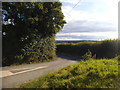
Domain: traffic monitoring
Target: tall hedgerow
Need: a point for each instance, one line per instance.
(101, 49)
(29, 31)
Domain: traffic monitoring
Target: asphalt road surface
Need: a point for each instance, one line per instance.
(16, 75)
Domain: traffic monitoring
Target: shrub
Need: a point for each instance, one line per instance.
(88, 55)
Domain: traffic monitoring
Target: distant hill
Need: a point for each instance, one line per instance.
(72, 41)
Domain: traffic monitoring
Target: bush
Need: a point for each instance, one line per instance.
(35, 51)
(88, 55)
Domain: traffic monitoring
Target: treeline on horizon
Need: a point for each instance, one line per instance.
(99, 49)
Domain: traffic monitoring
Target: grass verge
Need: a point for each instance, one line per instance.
(100, 73)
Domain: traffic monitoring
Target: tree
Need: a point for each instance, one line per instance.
(31, 30)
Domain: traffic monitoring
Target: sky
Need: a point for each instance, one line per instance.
(89, 20)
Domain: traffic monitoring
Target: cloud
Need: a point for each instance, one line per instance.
(70, 1)
(84, 15)
(101, 10)
(86, 36)
(86, 1)
(90, 19)
(88, 30)
(89, 26)
(83, 37)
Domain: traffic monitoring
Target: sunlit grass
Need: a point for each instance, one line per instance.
(100, 73)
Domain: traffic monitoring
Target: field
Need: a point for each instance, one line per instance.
(100, 73)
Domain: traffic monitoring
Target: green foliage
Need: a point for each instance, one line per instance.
(100, 49)
(88, 55)
(30, 35)
(100, 73)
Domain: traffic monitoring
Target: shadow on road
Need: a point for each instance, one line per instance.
(69, 57)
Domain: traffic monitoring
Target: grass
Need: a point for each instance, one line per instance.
(99, 73)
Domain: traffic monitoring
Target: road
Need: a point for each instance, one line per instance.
(16, 75)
